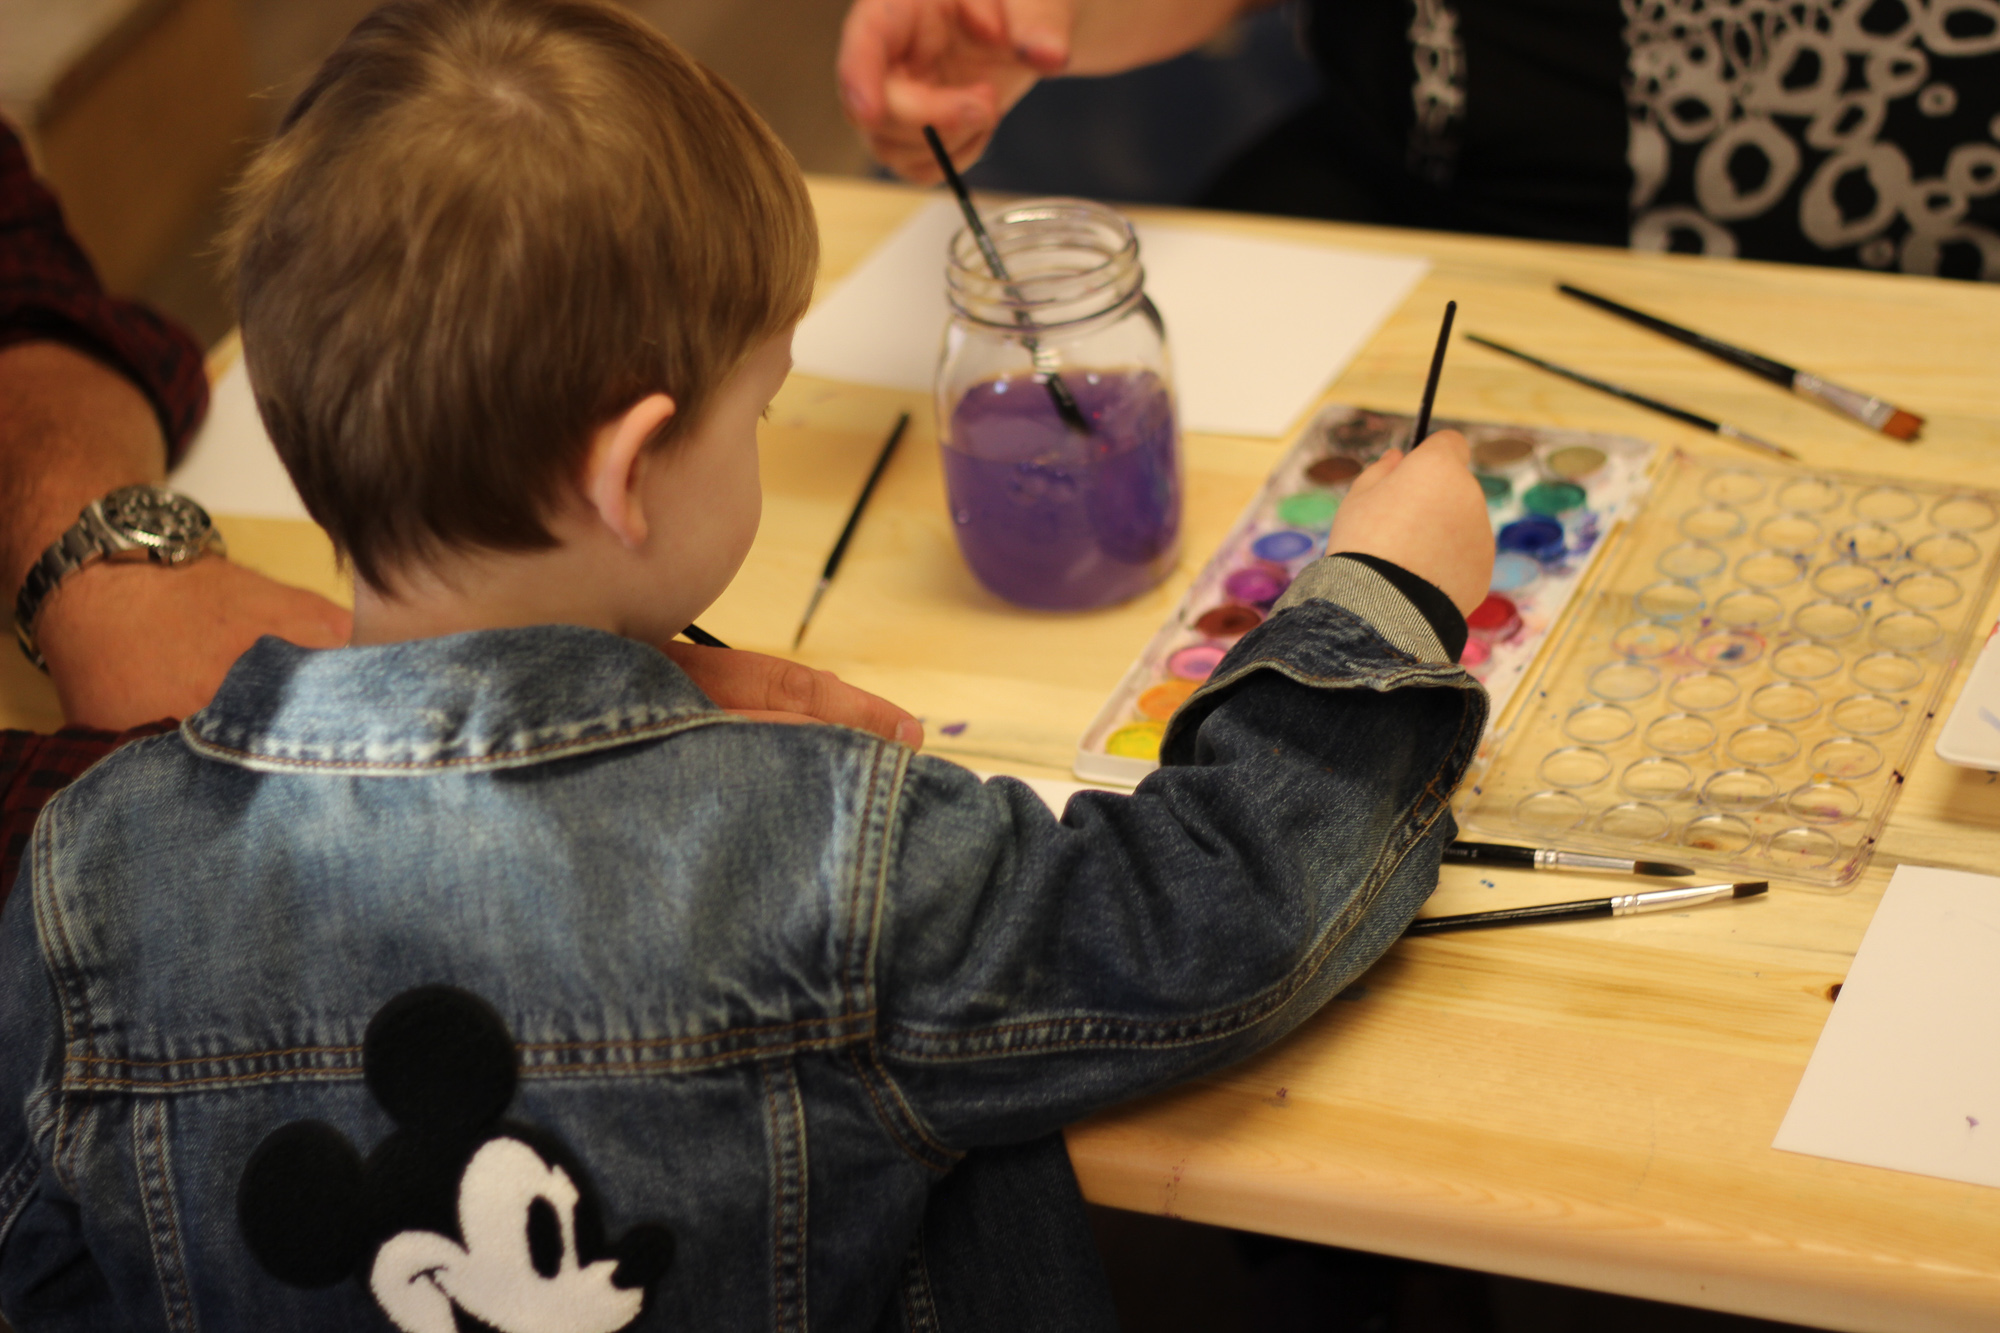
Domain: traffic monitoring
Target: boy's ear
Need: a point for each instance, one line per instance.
(616, 463)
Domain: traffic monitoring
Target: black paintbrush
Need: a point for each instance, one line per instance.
(696, 634)
(1431, 384)
(1548, 858)
(1059, 393)
(853, 520)
(1895, 422)
(1619, 391)
(1625, 904)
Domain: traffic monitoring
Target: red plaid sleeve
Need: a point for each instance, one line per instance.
(48, 289)
(34, 767)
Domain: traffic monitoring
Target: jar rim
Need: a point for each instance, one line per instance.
(1045, 209)
(1036, 295)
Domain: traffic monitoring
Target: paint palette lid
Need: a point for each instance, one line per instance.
(1749, 675)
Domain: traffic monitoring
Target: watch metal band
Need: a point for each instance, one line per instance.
(92, 538)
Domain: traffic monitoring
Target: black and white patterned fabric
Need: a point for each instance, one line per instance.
(1849, 132)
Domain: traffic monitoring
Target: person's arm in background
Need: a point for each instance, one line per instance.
(125, 642)
(95, 394)
(961, 65)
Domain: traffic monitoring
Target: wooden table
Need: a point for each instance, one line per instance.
(1589, 1103)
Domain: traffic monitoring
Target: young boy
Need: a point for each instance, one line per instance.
(514, 986)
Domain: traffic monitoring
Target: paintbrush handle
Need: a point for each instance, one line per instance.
(1065, 402)
(861, 502)
(1488, 853)
(1775, 371)
(1512, 916)
(1604, 386)
(1423, 425)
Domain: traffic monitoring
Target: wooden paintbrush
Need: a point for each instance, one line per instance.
(1895, 422)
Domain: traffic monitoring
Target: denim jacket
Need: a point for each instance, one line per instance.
(500, 981)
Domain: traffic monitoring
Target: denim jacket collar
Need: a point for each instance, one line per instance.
(484, 700)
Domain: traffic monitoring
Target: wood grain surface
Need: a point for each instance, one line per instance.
(1589, 1103)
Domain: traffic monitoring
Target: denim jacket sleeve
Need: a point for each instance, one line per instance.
(1032, 970)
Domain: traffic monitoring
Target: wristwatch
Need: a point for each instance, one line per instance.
(136, 523)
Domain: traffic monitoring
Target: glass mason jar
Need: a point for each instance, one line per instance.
(1047, 514)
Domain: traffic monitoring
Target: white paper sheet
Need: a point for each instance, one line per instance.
(1971, 735)
(1258, 328)
(231, 466)
(1906, 1074)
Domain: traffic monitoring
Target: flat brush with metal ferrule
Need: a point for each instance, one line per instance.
(1625, 904)
(1548, 858)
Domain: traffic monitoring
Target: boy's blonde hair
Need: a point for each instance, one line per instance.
(484, 229)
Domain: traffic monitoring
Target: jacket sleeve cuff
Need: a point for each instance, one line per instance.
(1412, 614)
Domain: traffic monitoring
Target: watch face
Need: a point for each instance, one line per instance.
(156, 517)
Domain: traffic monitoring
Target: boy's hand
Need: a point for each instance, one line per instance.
(1425, 512)
(772, 689)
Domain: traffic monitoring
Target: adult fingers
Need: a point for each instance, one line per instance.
(901, 147)
(756, 685)
(873, 36)
(1040, 32)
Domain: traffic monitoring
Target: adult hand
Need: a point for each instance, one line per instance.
(131, 642)
(1425, 512)
(772, 689)
(959, 65)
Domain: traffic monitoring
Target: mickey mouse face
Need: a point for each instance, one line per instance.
(471, 1222)
(518, 1268)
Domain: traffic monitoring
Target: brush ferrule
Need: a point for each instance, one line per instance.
(1663, 900)
(1871, 412)
(1585, 861)
(1745, 437)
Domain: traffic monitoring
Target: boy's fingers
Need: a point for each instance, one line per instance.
(1374, 474)
(1452, 443)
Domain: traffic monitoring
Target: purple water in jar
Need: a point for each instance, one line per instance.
(1051, 518)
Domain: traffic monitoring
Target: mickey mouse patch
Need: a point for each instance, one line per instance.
(459, 1221)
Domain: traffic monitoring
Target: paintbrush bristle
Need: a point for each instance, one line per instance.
(1661, 869)
(1752, 890)
(1903, 426)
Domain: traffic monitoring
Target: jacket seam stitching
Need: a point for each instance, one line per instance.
(550, 1072)
(890, 1120)
(851, 984)
(66, 982)
(171, 1266)
(530, 1048)
(17, 1188)
(908, 1114)
(217, 750)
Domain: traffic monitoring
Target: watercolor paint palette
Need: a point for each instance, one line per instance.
(1751, 674)
(1555, 496)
